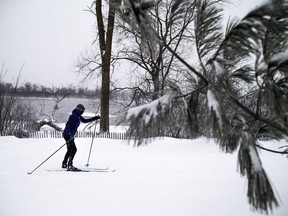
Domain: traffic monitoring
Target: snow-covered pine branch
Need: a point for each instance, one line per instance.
(260, 191)
(149, 120)
(214, 111)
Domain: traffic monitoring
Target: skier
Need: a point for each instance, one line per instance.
(69, 133)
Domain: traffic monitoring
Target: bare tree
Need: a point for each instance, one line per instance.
(91, 63)
(105, 42)
(16, 118)
(157, 65)
(58, 96)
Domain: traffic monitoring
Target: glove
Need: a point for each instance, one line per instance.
(96, 118)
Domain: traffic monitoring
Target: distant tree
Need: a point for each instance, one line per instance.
(241, 78)
(28, 87)
(16, 117)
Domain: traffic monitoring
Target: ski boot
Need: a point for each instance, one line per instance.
(73, 169)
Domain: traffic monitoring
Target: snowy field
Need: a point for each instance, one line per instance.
(169, 177)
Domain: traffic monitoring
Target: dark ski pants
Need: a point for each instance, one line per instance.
(71, 151)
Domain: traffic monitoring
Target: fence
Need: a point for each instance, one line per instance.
(80, 134)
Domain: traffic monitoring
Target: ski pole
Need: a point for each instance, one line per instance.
(91, 144)
(49, 156)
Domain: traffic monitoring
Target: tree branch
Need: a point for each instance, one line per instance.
(270, 150)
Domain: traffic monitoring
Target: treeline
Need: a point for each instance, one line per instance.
(33, 90)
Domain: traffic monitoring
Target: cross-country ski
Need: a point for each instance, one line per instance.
(104, 170)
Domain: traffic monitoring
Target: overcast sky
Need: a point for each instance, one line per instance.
(46, 36)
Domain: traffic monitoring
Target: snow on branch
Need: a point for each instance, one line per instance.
(260, 192)
(149, 120)
(151, 110)
(279, 58)
(279, 62)
(48, 122)
(214, 107)
(219, 68)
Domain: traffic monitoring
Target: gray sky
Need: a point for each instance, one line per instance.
(46, 36)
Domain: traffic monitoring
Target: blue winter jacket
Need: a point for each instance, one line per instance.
(74, 122)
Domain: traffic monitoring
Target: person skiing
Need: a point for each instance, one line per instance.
(69, 134)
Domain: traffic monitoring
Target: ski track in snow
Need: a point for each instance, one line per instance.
(168, 177)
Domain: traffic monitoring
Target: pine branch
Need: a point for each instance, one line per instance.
(242, 37)
(149, 120)
(260, 192)
(242, 40)
(207, 27)
(256, 117)
(270, 150)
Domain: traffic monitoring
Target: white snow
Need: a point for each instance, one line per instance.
(151, 107)
(279, 58)
(220, 70)
(214, 105)
(256, 163)
(262, 66)
(169, 177)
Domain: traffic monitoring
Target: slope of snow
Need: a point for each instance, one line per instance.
(166, 178)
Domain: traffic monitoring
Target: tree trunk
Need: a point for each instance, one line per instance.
(192, 114)
(156, 84)
(105, 49)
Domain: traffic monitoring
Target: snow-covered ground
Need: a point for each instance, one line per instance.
(169, 177)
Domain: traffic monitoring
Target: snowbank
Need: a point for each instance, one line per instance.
(167, 178)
